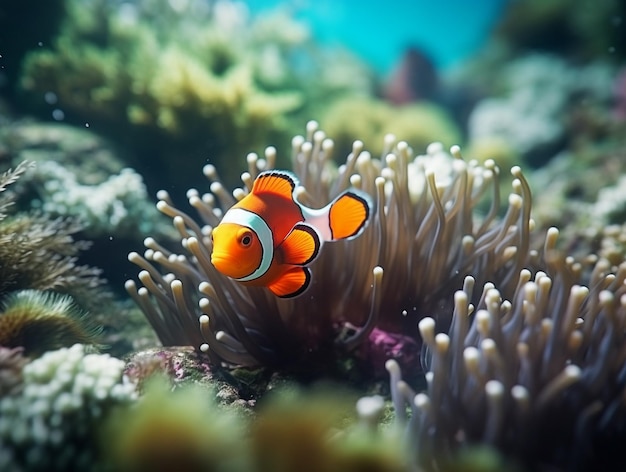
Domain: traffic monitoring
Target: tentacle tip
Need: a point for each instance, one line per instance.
(312, 125)
(392, 366)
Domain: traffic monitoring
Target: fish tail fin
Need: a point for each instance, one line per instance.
(348, 214)
(292, 283)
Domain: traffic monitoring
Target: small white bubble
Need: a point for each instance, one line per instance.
(86, 125)
(110, 238)
(404, 313)
(58, 114)
(40, 44)
(50, 98)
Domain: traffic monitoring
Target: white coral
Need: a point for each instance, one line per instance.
(116, 205)
(538, 89)
(65, 392)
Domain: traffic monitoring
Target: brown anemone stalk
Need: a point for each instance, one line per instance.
(541, 376)
(425, 232)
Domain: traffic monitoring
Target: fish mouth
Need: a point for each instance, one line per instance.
(222, 263)
(218, 260)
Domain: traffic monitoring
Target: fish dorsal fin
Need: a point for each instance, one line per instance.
(301, 246)
(275, 182)
(348, 215)
(291, 283)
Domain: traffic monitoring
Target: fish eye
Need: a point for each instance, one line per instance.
(245, 239)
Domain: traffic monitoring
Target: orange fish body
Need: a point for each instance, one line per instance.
(268, 238)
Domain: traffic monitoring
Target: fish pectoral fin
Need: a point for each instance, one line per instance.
(275, 182)
(348, 215)
(301, 246)
(292, 283)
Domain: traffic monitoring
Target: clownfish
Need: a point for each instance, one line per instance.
(268, 238)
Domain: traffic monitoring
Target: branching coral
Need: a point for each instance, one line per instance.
(425, 233)
(539, 374)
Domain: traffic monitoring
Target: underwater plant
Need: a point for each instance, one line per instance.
(425, 236)
(43, 291)
(539, 375)
(40, 253)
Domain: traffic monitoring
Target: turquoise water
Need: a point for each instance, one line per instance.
(449, 31)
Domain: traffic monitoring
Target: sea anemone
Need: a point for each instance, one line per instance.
(427, 233)
(43, 321)
(540, 374)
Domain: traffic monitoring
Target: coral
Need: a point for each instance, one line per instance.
(119, 205)
(425, 218)
(535, 97)
(171, 80)
(351, 117)
(40, 253)
(611, 203)
(44, 321)
(52, 423)
(80, 175)
(538, 375)
(79, 149)
(612, 244)
(580, 193)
